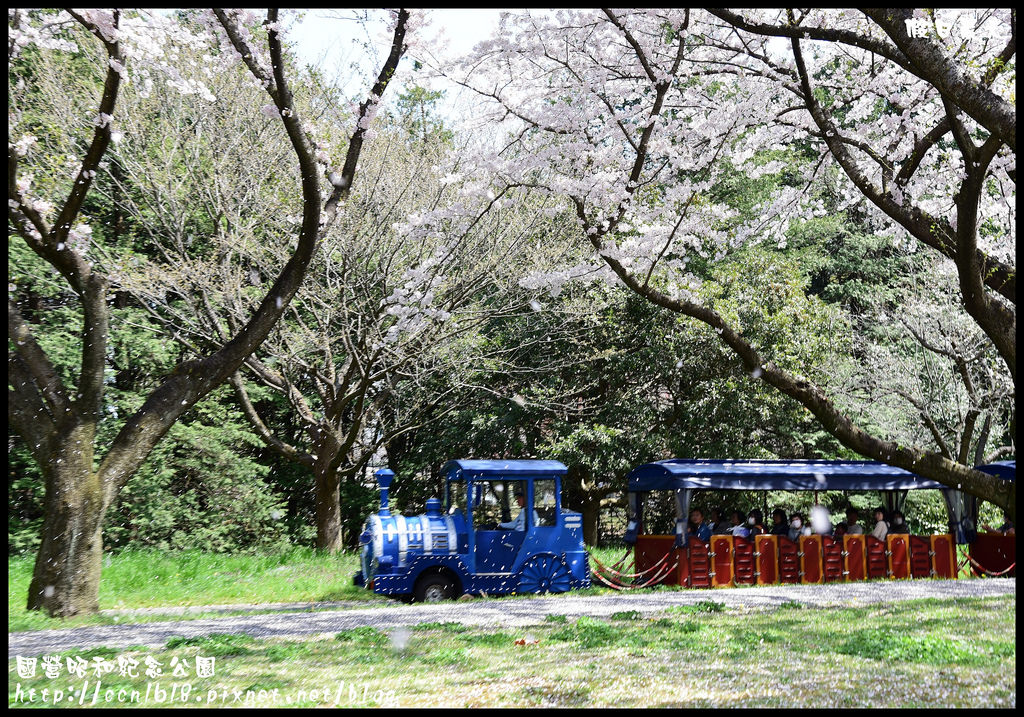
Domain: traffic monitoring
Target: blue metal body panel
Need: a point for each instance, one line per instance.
(398, 550)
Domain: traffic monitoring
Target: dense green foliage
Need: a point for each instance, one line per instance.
(204, 487)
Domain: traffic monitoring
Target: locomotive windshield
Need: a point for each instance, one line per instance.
(545, 502)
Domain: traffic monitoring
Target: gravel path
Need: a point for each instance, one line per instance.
(509, 612)
(251, 607)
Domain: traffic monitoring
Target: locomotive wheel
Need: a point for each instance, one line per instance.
(544, 574)
(435, 588)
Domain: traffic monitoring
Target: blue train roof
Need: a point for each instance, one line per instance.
(471, 469)
(1007, 470)
(794, 475)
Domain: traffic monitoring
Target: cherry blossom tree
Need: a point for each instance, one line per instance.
(633, 117)
(59, 422)
(930, 356)
(382, 334)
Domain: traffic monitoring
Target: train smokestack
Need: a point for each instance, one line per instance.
(384, 478)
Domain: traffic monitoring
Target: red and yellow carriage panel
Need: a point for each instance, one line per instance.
(831, 559)
(721, 560)
(767, 559)
(810, 559)
(898, 545)
(856, 559)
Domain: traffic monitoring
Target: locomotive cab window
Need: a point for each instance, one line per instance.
(544, 503)
(494, 504)
(455, 497)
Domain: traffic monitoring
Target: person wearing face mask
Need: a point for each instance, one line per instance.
(797, 527)
(754, 522)
(899, 523)
(738, 529)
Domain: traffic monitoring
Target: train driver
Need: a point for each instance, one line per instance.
(520, 520)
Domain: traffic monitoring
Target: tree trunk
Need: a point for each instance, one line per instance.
(328, 508)
(591, 519)
(580, 494)
(66, 577)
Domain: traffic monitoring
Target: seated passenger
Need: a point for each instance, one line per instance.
(840, 530)
(738, 529)
(1005, 529)
(755, 522)
(853, 526)
(797, 527)
(881, 525)
(779, 526)
(701, 529)
(821, 521)
(899, 523)
(519, 523)
(718, 524)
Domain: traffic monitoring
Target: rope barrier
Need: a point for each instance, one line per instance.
(613, 586)
(616, 574)
(658, 578)
(979, 566)
(602, 568)
(620, 561)
(661, 575)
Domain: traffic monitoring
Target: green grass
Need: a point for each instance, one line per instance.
(925, 653)
(136, 579)
(140, 579)
(627, 615)
(216, 644)
(362, 636)
(697, 607)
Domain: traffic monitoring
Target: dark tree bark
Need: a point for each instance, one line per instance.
(328, 509)
(65, 580)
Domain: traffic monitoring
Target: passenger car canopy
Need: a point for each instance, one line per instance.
(1007, 470)
(677, 473)
(684, 475)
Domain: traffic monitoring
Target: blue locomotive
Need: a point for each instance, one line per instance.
(501, 529)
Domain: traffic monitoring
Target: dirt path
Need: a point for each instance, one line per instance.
(509, 612)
